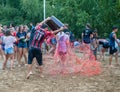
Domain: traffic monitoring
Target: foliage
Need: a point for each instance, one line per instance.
(101, 14)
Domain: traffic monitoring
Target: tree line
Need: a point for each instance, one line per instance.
(101, 14)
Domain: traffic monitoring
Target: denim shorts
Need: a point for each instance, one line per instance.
(22, 45)
(9, 50)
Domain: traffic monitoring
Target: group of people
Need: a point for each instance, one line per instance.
(16, 41)
(112, 44)
(13, 44)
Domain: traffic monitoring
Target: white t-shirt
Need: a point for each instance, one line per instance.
(8, 41)
(60, 34)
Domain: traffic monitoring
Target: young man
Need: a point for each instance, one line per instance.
(113, 49)
(36, 39)
(87, 34)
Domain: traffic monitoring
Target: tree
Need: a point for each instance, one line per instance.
(101, 14)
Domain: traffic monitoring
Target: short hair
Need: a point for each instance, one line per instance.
(88, 25)
(114, 27)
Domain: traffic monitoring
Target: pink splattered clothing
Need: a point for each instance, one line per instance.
(1, 34)
(67, 62)
(62, 44)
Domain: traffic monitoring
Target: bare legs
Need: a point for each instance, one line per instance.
(116, 59)
(1, 53)
(11, 56)
(22, 51)
(30, 70)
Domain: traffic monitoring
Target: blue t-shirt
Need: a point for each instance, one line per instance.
(22, 35)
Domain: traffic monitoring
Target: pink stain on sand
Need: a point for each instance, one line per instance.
(70, 63)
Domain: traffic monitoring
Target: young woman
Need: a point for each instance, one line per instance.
(22, 45)
(93, 47)
(1, 45)
(8, 40)
(62, 45)
(16, 43)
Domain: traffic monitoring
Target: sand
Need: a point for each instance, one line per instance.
(15, 81)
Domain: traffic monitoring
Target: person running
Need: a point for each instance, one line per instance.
(113, 49)
(38, 35)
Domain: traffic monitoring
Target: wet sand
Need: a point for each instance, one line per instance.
(15, 81)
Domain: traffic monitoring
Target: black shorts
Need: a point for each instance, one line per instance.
(112, 50)
(104, 44)
(35, 52)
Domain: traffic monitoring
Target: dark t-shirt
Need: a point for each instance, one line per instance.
(21, 35)
(32, 31)
(86, 35)
(66, 30)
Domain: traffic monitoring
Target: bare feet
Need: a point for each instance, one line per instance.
(3, 68)
(28, 76)
(19, 66)
(111, 66)
(42, 76)
(117, 64)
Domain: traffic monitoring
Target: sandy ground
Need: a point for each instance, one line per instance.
(15, 81)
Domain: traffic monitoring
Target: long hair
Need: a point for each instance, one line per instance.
(21, 26)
